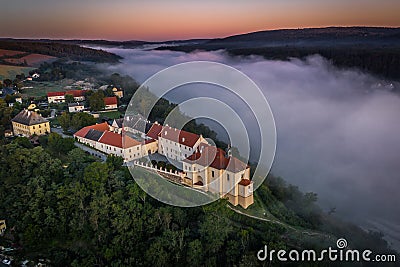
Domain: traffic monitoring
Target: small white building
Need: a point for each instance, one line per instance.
(101, 138)
(75, 107)
(110, 103)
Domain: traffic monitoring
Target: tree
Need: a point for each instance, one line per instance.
(58, 145)
(195, 253)
(96, 101)
(65, 121)
(114, 162)
(69, 98)
(81, 119)
(23, 142)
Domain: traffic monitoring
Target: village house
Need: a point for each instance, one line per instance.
(110, 103)
(32, 106)
(101, 138)
(118, 92)
(75, 107)
(59, 97)
(8, 133)
(28, 123)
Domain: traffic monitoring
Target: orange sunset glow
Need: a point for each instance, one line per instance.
(166, 20)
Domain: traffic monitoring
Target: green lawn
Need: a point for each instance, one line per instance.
(42, 88)
(110, 114)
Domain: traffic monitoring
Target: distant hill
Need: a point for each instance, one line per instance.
(59, 49)
(314, 36)
(372, 49)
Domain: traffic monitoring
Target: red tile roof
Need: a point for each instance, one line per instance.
(216, 158)
(74, 93)
(154, 131)
(245, 182)
(115, 139)
(179, 136)
(149, 141)
(52, 94)
(112, 139)
(99, 127)
(112, 100)
(130, 142)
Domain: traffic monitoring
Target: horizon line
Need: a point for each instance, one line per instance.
(194, 38)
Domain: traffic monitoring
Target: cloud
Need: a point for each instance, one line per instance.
(338, 130)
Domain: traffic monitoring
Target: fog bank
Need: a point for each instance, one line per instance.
(338, 130)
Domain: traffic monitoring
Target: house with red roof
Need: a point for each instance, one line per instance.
(213, 170)
(110, 103)
(59, 97)
(101, 138)
(56, 97)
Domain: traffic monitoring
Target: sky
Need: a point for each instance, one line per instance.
(158, 20)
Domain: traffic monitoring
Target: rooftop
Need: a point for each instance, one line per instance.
(245, 182)
(75, 93)
(112, 100)
(115, 139)
(93, 135)
(26, 117)
(216, 158)
(154, 131)
(75, 104)
(99, 127)
(179, 136)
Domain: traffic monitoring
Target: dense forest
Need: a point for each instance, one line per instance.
(65, 206)
(60, 50)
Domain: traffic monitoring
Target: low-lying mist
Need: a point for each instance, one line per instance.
(338, 130)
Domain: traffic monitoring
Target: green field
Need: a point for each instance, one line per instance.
(42, 88)
(9, 72)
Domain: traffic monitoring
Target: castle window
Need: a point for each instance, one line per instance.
(212, 174)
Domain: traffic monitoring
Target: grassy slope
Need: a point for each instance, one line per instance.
(9, 72)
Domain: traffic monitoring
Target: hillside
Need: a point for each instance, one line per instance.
(59, 50)
(372, 49)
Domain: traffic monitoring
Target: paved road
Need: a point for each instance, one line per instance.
(91, 151)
